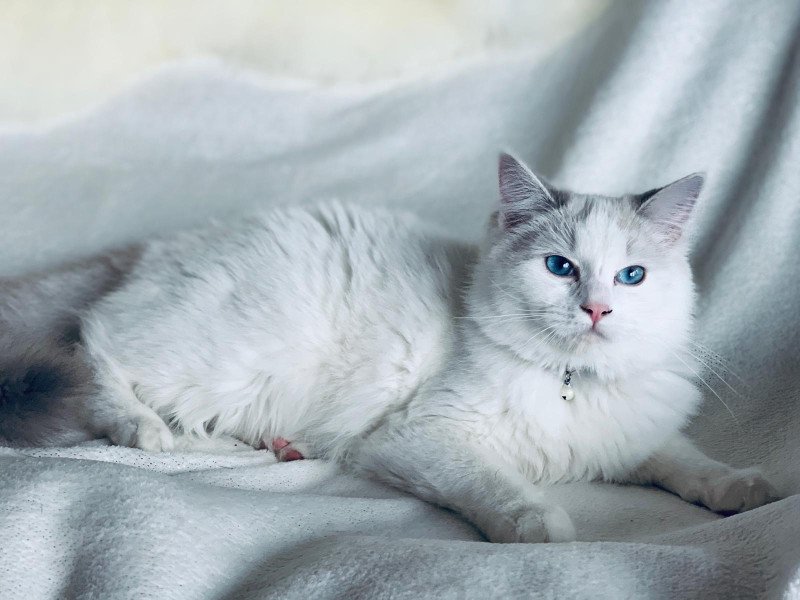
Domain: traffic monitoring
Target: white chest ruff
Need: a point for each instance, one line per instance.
(601, 431)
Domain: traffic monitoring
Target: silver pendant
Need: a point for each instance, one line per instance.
(567, 393)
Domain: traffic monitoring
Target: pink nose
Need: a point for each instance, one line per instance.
(596, 311)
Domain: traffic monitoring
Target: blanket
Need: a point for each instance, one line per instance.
(649, 93)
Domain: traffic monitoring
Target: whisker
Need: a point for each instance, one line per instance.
(524, 346)
(710, 388)
(487, 317)
(544, 340)
(710, 356)
(717, 375)
(719, 360)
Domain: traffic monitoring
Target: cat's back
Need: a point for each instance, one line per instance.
(318, 250)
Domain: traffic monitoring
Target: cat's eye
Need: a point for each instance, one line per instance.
(558, 265)
(631, 275)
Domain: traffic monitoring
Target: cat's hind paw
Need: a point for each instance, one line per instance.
(145, 432)
(284, 450)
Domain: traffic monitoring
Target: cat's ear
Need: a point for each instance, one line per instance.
(670, 207)
(522, 193)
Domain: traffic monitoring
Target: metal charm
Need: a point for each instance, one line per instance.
(567, 393)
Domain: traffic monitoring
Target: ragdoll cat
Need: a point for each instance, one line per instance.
(471, 377)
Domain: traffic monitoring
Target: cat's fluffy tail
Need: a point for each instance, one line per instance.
(43, 393)
(45, 378)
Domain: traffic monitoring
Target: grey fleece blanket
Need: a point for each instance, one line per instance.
(652, 92)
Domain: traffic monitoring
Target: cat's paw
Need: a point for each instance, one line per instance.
(738, 491)
(537, 524)
(145, 432)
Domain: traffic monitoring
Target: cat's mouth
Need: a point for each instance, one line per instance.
(589, 340)
(594, 333)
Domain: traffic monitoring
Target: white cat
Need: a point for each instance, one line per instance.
(469, 377)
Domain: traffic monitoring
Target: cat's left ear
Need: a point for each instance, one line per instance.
(670, 207)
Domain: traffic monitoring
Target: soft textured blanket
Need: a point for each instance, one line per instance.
(652, 92)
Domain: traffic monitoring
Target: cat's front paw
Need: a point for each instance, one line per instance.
(738, 491)
(537, 524)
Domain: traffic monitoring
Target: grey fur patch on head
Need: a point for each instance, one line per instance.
(532, 209)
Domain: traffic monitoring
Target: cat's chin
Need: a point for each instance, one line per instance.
(592, 335)
(593, 349)
(583, 349)
(589, 340)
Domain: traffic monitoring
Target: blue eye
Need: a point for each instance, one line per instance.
(558, 265)
(631, 275)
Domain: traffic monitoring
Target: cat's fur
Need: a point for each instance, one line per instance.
(366, 337)
(45, 377)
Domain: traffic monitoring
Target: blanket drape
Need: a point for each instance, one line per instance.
(651, 92)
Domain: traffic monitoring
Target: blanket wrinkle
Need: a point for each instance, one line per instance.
(651, 92)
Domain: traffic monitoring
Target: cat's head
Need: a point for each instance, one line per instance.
(595, 282)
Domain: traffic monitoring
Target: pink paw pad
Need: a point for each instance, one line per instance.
(283, 450)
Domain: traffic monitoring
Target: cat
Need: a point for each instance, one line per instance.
(472, 377)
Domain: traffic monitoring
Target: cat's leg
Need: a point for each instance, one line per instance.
(124, 420)
(432, 461)
(679, 467)
(114, 411)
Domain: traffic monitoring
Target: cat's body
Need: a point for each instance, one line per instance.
(309, 324)
(367, 337)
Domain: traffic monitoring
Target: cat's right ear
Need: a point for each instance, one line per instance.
(522, 193)
(670, 207)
